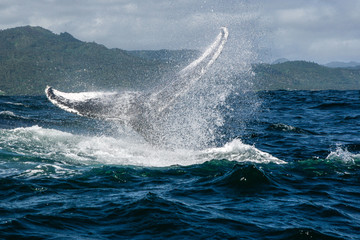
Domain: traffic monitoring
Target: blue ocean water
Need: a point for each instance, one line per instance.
(290, 169)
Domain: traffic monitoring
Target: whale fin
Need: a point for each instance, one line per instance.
(106, 105)
(188, 76)
(137, 109)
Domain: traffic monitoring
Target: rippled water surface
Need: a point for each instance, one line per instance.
(288, 170)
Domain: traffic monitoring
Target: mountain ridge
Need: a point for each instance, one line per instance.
(303, 75)
(338, 64)
(33, 57)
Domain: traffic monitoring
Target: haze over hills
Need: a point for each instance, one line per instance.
(337, 64)
(351, 64)
(33, 57)
(302, 75)
(280, 60)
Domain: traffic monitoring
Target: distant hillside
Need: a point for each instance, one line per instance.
(343, 64)
(280, 60)
(301, 75)
(33, 57)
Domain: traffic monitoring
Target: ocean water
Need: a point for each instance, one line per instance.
(285, 165)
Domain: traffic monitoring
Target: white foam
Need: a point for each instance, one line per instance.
(54, 170)
(236, 150)
(8, 113)
(343, 155)
(68, 148)
(11, 114)
(15, 103)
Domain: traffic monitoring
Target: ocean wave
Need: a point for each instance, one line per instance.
(54, 170)
(288, 128)
(301, 233)
(10, 115)
(15, 103)
(245, 177)
(343, 155)
(68, 148)
(335, 106)
(356, 117)
(236, 150)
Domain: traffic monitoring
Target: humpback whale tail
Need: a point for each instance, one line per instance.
(137, 109)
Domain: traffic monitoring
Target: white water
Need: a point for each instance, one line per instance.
(67, 148)
(187, 129)
(181, 114)
(343, 155)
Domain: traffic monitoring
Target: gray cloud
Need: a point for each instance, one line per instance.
(315, 30)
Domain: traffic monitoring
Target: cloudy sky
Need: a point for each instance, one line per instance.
(313, 30)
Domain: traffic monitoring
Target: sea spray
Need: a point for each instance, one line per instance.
(194, 122)
(49, 148)
(185, 112)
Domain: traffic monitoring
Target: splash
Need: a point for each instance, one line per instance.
(236, 150)
(147, 113)
(343, 155)
(43, 150)
(184, 113)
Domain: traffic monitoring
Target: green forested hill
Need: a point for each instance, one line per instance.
(302, 75)
(33, 57)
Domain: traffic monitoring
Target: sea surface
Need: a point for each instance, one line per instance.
(286, 168)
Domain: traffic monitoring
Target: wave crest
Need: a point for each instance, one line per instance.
(236, 150)
(343, 155)
(69, 149)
